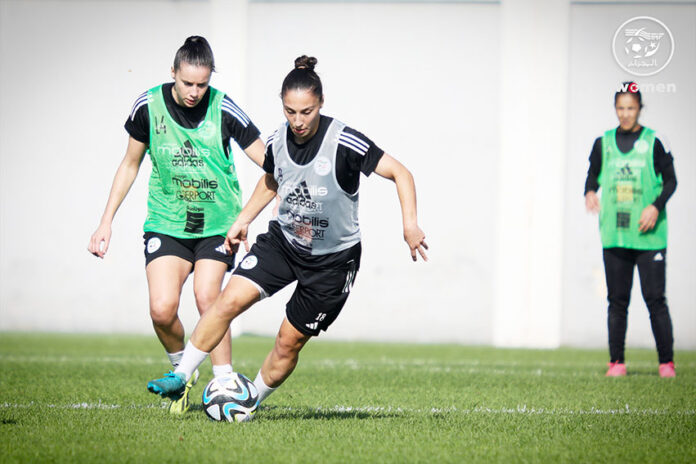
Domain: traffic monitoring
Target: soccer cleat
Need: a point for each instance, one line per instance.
(616, 369)
(667, 370)
(172, 386)
(182, 405)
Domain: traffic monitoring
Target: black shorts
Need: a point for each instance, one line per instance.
(190, 249)
(323, 282)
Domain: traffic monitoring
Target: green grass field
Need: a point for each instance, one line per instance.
(80, 398)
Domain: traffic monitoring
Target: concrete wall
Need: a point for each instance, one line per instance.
(459, 92)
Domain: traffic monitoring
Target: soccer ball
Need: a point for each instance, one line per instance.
(635, 46)
(231, 398)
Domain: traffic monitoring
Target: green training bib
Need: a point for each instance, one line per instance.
(194, 190)
(629, 184)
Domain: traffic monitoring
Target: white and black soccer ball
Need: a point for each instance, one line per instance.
(231, 398)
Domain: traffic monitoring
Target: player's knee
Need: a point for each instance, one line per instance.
(230, 304)
(205, 298)
(618, 305)
(287, 346)
(657, 305)
(163, 311)
(618, 310)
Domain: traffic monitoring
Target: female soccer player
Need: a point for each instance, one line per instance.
(194, 193)
(635, 171)
(313, 163)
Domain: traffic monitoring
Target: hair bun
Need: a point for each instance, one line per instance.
(305, 62)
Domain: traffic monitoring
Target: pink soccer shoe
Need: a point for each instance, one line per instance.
(616, 369)
(667, 370)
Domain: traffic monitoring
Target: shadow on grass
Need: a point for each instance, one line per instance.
(305, 413)
(642, 373)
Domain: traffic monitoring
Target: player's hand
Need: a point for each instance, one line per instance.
(236, 235)
(592, 202)
(648, 218)
(415, 238)
(99, 243)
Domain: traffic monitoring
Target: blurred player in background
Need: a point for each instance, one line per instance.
(634, 169)
(313, 162)
(194, 194)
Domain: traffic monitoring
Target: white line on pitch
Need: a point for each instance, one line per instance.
(520, 409)
(478, 410)
(97, 405)
(131, 360)
(470, 366)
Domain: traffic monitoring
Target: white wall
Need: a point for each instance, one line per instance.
(427, 82)
(416, 80)
(533, 90)
(71, 72)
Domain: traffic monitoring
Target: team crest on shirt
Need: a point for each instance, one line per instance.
(249, 262)
(641, 146)
(322, 165)
(206, 129)
(153, 245)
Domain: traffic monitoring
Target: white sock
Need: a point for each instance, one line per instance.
(175, 358)
(192, 358)
(263, 389)
(222, 369)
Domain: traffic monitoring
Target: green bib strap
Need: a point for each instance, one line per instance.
(629, 184)
(194, 190)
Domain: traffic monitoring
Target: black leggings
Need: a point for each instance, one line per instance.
(618, 267)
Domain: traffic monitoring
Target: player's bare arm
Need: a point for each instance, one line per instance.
(123, 181)
(391, 169)
(256, 152)
(265, 191)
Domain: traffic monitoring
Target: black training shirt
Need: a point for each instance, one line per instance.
(235, 123)
(351, 160)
